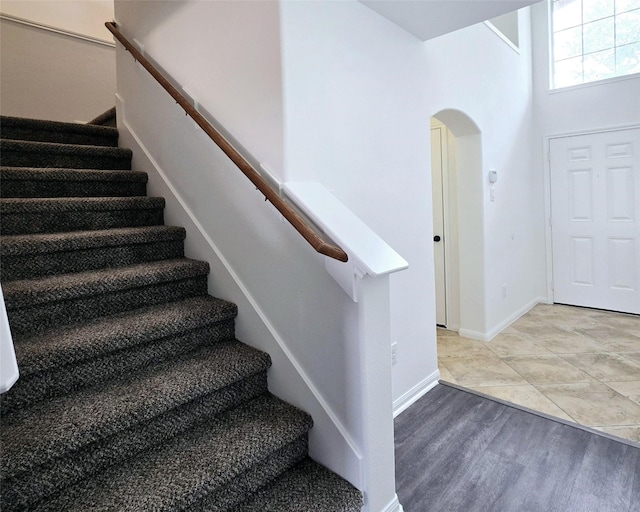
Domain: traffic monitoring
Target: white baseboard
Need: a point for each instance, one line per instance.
(488, 336)
(415, 393)
(393, 506)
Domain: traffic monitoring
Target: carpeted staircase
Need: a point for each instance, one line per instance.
(134, 394)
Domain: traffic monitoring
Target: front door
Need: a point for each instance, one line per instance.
(595, 208)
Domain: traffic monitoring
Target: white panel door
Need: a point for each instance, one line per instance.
(438, 226)
(595, 209)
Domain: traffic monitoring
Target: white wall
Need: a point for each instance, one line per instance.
(233, 65)
(49, 75)
(605, 104)
(357, 120)
(78, 16)
(474, 71)
(359, 96)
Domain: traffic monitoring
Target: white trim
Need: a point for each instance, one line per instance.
(415, 393)
(56, 30)
(472, 335)
(488, 336)
(263, 317)
(594, 83)
(512, 318)
(392, 506)
(499, 33)
(547, 194)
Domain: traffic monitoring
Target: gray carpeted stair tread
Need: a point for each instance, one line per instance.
(48, 148)
(59, 174)
(199, 463)
(62, 214)
(308, 486)
(45, 254)
(22, 153)
(32, 292)
(71, 344)
(56, 131)
(25, 245)
(27, 488)
(82, 204)
(51, 429)
(57, 182)
(29, 292)
(134, 393)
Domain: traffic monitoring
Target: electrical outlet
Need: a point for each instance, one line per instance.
(394, 352)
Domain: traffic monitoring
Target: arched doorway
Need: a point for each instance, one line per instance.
(461, 244)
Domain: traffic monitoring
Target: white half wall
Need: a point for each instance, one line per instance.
(288, 305)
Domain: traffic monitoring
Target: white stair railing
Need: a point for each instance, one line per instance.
(8, 366)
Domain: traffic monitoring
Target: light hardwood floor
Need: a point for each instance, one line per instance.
(578, 364)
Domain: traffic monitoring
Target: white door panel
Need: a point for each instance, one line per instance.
(595, 206)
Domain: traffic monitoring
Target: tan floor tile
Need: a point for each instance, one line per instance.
(546, 369)
(629, 389)
(607, 333)
(445, 374)
(621, 345)
(593, 404)
(488, 370)
(631, 432)
(605, 366)
(553, 330)
(535, 328)
(569, 343)
(505, 345)
(632, 356)
(618, 321)
(454, 346)
(526, 396)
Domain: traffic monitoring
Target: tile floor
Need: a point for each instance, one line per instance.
(579, 364)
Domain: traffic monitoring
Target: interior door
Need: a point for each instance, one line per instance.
(438, 226)
(595, 208)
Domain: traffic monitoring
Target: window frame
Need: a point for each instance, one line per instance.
(582, 54)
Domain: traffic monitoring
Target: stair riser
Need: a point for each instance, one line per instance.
(75, 375)
(247, 483)
(42, 188)
(57, 222)
(64, 312)
(47, 264)
(23, 491)
(39, 135)
(65, 161)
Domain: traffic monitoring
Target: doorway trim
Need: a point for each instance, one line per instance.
(547, 194)
(467, 186)
(447, 155)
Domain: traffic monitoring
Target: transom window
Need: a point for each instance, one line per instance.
(594, 39)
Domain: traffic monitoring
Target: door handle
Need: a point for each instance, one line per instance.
(437, 238)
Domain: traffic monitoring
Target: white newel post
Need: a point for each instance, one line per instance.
(365, 279)
(374, 342)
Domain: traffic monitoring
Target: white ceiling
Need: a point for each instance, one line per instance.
(427, 19)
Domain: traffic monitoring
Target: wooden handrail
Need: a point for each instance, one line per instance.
(301, 226)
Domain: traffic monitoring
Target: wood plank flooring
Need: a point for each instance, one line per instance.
(460, 452)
